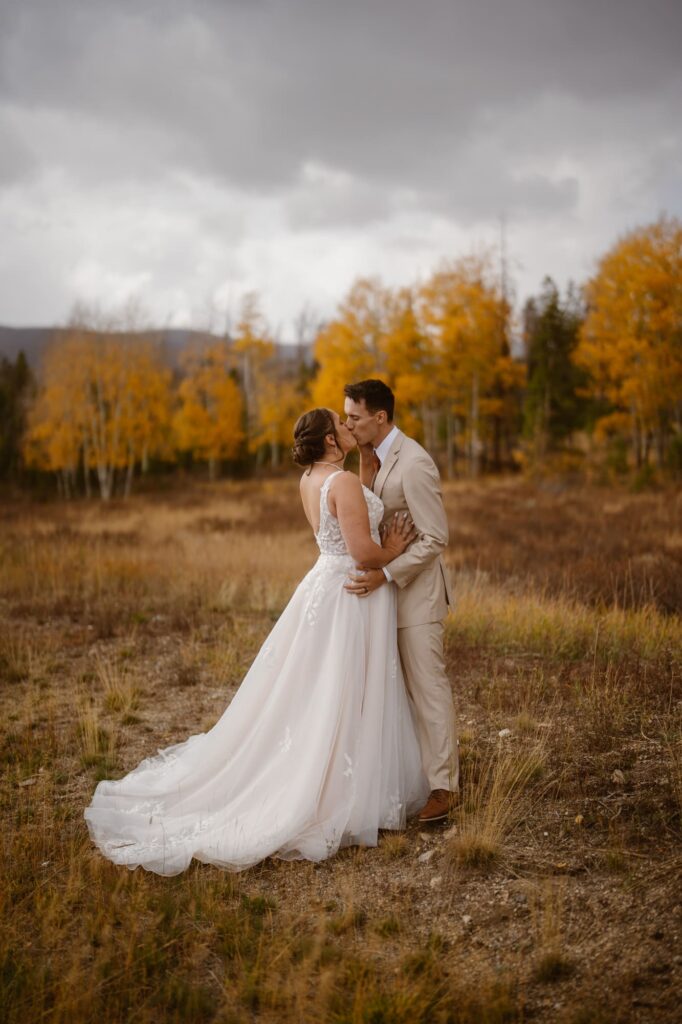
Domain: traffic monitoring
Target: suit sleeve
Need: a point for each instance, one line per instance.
(421, 487)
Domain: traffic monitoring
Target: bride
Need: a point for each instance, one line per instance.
(317, 749)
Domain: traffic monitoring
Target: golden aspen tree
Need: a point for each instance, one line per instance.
(631, 338)
(460, 306)
(104, 347)
(352, 346)
(56, 424)
(106, 389)
(209, 421)
(85, 385)
(280, 405)
(148, 410)
(411, 367)
(341, 358)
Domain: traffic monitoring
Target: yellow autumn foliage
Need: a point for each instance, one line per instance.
(104, 400)
(209, 420)
(631, 339)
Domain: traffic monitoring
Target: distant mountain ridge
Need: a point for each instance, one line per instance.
(32, 341)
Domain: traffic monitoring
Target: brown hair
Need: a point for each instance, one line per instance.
(309, 436)
(375, 394)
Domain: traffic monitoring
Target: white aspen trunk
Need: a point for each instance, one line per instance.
(647, 447)
(98, 445)
(113, 450)
(105, 478)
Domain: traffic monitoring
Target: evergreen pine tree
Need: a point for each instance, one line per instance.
(553, 407)
(16, 381)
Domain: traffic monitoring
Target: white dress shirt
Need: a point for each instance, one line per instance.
(384, 448)
(381, 452)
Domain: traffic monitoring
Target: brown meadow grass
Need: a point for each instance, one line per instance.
(551, 893)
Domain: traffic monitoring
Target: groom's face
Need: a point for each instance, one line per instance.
(363, 424)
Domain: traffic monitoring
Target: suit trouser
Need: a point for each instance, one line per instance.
(423, 661)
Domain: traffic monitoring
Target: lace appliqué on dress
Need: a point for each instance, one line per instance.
(394, 816)
(335, 561)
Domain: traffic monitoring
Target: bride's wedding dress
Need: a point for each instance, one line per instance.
(317, 749)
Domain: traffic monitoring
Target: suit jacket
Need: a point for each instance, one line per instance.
(408, 480)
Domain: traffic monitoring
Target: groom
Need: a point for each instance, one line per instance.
(406, 479)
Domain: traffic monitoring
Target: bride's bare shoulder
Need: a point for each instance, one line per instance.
(345, 485)
(345, 478)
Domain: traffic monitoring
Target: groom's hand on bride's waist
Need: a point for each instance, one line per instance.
(364, 581)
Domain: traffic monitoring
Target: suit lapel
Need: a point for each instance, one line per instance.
(388, 464)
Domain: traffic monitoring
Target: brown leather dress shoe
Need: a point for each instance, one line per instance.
(437, 807)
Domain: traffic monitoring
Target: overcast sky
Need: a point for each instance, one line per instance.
(188, 152)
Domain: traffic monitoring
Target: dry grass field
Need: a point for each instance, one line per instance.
(552, 895)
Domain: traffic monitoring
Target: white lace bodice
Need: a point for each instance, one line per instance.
(329, 538)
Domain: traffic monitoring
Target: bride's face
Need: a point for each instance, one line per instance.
(345, 438)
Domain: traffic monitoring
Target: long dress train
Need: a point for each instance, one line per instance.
(317, 749)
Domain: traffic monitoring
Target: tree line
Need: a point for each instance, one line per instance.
(598, 368)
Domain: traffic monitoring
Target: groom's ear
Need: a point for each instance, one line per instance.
(382, 416)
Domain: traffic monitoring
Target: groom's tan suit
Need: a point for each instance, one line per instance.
(408, 480)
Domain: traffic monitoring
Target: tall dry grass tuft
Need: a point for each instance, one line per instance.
(97, 743)
(15, 655)
(188, 661)
(120, 692)
(494, 798)
(394, 847)
(546, 902)
(23, 658)
(604, 705)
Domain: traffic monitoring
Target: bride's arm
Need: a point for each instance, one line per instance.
(347, 503)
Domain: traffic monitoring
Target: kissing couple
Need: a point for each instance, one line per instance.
(344, 724)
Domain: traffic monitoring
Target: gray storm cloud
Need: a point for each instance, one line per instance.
(181, 147)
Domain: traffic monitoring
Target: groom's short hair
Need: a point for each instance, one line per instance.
(374, 393)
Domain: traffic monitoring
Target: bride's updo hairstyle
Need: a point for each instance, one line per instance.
(309, 436)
